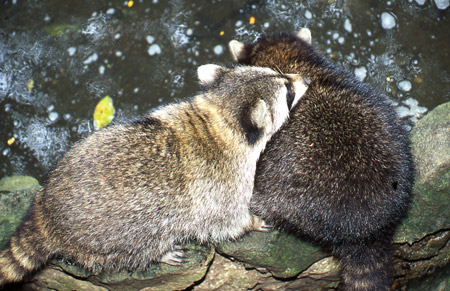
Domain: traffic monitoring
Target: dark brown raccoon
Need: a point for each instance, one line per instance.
(340, 172)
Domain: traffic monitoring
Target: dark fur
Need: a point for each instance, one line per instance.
(340, 173)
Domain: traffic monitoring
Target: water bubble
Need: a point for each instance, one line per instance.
(101, 69)
(361, 73)
(150, 39)
(189, 31)
(218, 49)
(136, 90)
(402, 111)
(53, 116)
(110, 11)
(238, 23)
(341, 40)
(118, 54)
(412, 109)
(308, 14)
(420, 2)
(117, 36)
(348, 25)
(67, 116)
(71, 50)
(266, 24)
(387, 20)
(50, 108)
(405, 85)
(442, 4)
(90, 59)
(154, 49)
(6, 151)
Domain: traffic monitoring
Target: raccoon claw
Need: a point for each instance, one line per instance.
(174, 258)
(261, 225)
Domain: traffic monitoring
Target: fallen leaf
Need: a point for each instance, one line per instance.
(11, 141)
(103, 113)
(30, 85)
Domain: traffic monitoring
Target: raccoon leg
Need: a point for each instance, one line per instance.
(366, 266)
(25, 252)
(175, 257)
(260, 225)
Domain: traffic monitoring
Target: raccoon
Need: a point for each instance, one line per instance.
(340, 172)
(130, 194)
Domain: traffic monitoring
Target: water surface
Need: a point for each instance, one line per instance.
(59, 58)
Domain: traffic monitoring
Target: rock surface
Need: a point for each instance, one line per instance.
(15, 197)
(430, 211)
(275, 260)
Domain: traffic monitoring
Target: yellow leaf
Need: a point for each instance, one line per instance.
(252, 20)
(11, 141)
(30, 85)
(222, 33)
(103, 113)
(130, 3)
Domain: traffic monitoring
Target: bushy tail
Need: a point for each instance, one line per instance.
(366, 266)
(24, 253)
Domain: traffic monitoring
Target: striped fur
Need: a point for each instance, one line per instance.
(128, 194)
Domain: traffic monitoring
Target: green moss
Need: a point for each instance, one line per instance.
(16, 183)
(16, 194)
(284, 255)
(159, 277)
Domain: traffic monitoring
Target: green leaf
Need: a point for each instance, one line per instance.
(103, 113)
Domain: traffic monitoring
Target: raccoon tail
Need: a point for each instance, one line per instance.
(366, 266)
(25, 252)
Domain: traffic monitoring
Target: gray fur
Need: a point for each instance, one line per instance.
(127, 195)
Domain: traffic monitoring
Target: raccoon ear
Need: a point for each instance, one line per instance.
(207, 74)
(305, 34)
(237, 49)
(258, 113)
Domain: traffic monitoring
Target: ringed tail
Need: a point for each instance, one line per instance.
(25, 252)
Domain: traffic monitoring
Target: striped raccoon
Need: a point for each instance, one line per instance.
(129, 194)
(340, 172)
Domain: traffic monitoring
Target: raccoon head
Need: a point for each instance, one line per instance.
(288, 52)
(260, 99)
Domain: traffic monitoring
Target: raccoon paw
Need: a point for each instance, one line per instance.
(175, 257)
(260, 225)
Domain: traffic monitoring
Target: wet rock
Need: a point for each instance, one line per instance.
(284, 255)
(226, 275)
(18, 183)
(15, 198)
(431, 149)
(59, 275)
(422, 258)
